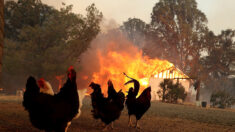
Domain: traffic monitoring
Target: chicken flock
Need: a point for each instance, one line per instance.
(54, 112)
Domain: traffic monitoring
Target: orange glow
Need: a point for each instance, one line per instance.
(60, 79)
(87, 94)
(114, 63)
(85, 77)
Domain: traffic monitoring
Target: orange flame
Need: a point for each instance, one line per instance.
(137, 66)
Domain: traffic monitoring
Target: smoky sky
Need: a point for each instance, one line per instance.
(220, 13)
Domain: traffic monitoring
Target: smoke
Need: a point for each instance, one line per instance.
(226, 84)
(110, 40)
(108, 25)
(111, 54)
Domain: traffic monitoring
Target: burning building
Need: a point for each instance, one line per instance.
(177, 76)
(112, 55)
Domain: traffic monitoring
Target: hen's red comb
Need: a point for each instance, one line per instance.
(42, 79)
(70, 68)
(41, 82)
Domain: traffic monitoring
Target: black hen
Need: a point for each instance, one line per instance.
(137, 106)
(52, 113)
(107, 109)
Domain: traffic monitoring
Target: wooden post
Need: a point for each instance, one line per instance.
(1, 33)
(197, 87)
(178, 81)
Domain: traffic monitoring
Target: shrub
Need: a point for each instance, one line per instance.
(222, 99)
(171, 92)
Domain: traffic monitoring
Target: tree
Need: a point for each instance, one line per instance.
(218, 62)
(135, 29)
(24, 13)
(171, 92)
(178, 32)
(177, 91)
(222, 99)
(164, 87)
(1, 33)
(220, 55)
(46, 48)
(178, 28)
(87, 31)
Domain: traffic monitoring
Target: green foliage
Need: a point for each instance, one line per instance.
(178, 28)
(220, 54)
(43, 41)
(222, 99)
(176, 92)
(135, 29)
(171, 92)
(164, 86)
(22, 13)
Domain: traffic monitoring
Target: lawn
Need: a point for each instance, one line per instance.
(160, 117)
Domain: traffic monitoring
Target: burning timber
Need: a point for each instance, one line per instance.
(113, 54)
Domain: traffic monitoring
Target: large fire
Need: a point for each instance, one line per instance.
(114, 63)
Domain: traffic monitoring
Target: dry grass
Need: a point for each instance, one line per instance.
(161, 117)
(12, 98)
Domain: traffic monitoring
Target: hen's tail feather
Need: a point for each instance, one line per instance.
(129, 82)
(81, 94)
(146, 94)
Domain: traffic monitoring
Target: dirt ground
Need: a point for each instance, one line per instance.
(161, 117)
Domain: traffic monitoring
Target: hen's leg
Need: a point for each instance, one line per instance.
(112, 125)
(129, 122)
(68, 124)
(62, 127)
(106, 128)
(103, 124)
(137, 124)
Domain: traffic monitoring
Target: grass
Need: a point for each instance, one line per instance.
(10, 98)
(160, 117)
